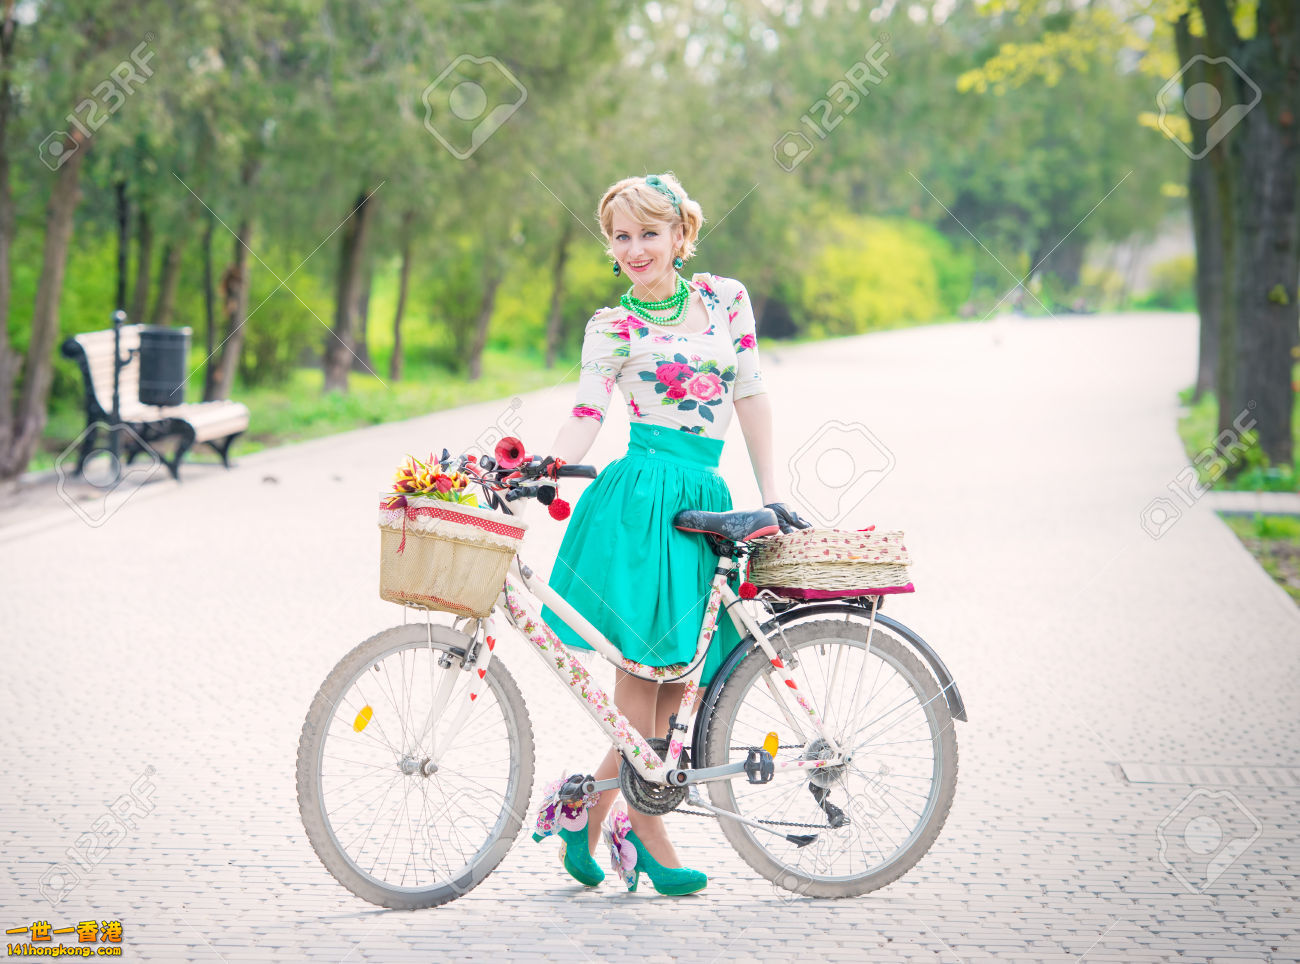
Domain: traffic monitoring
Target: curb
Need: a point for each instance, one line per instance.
(1249, 503)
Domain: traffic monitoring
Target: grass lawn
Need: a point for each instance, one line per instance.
(1198, 427)
(1275, 541)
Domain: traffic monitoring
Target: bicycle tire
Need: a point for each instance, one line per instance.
(781, 862)
(332, 705)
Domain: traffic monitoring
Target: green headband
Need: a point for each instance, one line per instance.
(657, 183)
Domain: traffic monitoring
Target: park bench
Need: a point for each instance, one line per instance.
(216, 423)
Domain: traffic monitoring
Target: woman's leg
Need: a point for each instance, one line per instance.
(638, 700)
(635, 699)
(647, 705)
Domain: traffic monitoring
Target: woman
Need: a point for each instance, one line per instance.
(685, 356)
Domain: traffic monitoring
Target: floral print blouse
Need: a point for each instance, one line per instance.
(685, 381)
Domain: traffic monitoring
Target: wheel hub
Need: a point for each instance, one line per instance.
(827, 777)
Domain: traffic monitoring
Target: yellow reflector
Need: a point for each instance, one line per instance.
(362, 719)
(770, 743)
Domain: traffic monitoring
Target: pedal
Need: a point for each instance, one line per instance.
(759, 767)
(574, 788)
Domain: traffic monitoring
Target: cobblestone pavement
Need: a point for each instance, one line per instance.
(178, 644)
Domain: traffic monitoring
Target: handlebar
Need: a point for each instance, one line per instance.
(532, 479)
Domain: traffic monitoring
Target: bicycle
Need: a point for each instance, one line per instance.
(416, 760)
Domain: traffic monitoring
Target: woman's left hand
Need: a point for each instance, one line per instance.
(788, 519)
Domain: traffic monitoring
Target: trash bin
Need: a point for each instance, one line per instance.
(163, 355)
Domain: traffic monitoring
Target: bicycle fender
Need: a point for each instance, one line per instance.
(956, 706)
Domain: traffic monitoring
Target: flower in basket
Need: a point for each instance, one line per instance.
(430, 479)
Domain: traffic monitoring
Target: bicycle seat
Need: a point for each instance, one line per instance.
(735, 526)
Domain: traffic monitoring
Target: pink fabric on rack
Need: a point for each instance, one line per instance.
(792, 593)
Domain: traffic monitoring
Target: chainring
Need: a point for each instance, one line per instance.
(654, 799)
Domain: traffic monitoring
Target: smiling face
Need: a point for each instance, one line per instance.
(646, 251)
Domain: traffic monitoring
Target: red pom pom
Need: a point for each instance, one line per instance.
(748, 590)
(559, 509)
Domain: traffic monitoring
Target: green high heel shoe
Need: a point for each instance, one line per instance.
(575, 855)
(568, 821)
(630, 858)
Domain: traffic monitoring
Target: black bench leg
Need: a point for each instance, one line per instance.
(222, 448)
(182, 446)
(87, 446)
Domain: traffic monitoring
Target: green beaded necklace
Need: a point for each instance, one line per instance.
(677, 304)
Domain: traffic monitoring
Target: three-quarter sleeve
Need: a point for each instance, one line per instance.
(740, 318)
(604, 347)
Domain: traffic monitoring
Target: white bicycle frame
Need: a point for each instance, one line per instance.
(572, 672)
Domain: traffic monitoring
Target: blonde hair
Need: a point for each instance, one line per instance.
(645, 204)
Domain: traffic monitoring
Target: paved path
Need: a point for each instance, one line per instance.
(177, 646)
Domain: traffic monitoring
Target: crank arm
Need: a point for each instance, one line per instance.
(694, 798)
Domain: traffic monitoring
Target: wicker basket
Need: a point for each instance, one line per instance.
(444, 555)
(831, 563)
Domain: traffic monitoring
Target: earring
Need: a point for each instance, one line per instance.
(677, 262)
(617, 269)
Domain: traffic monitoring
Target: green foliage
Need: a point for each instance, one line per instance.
(1173, 285)
(870, 274)
(1276, 527)
(1252, 470)
(283, 321)
(282, 112)
(1274, 541)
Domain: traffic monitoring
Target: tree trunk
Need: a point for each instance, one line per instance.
(1207, 235)
(338, 353)
(395, 362)
(209, 309)
(32, 413)
(554, 320)
(234, 301)
(171, 273)
(1266, 275)
(482, 323)
(1064, 259)
(9, 359)
(1265, 147)
(1207, 191)
(143, 266)
(361, 350)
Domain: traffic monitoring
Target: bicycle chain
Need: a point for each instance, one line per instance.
(775, 823)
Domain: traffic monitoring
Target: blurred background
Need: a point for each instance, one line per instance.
(370, 211)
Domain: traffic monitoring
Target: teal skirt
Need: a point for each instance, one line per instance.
(623, 566)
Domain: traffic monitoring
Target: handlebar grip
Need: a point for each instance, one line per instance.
(576, 472)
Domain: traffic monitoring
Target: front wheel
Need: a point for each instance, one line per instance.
(874, 816)
(397, 820)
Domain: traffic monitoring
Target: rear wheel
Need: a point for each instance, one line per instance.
(875, 815)
(397, 821)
